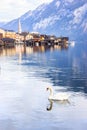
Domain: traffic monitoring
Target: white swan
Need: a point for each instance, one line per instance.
(58, 96)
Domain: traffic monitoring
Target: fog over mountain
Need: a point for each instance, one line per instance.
(59, 17)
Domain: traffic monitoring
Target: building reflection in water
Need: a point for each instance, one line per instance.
(21, 49)
(7, 51)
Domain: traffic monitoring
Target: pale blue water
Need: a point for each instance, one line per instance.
(25, 73)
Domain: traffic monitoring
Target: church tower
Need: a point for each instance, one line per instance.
(19, 26)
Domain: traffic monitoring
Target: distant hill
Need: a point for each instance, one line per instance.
(60, 17)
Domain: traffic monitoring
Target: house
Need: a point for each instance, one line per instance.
(1, 43)
(10, 34)
(8, 42)
(2, 33)
(19, 38)
(61, 40)
(35, 37)
(29, 36)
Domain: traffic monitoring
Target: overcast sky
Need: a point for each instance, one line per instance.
(11, 9)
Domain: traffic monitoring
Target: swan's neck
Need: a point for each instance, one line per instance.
(51, 92)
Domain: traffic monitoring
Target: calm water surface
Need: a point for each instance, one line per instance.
(24, 75)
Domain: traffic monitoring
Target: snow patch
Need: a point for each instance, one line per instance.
(27, 15)
(84, 26)
(45, 22)
(41, 7)
(57, 4)
(70, 1)
(78, 13)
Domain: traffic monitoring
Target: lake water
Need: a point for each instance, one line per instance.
(25, 73)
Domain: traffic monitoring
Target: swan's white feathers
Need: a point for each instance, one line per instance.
(57, 96)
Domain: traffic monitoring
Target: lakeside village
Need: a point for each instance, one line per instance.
(9, 38)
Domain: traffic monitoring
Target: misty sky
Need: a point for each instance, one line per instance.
(11, 9)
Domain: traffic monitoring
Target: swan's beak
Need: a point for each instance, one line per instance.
(47, 89)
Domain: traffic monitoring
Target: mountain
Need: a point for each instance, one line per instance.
(2, 24)
(61, 18)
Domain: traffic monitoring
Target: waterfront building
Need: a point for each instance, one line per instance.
(10, 34)
(29, 36)
(2, 33)
(7, 34)
(19, 38)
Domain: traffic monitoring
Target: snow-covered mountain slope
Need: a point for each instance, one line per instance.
(60, 17)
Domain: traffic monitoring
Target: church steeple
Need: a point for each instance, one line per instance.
(19, 26)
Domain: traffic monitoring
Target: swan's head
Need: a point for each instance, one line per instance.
(49, 88)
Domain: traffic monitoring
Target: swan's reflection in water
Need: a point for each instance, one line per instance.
(51, 102)
(49, 107)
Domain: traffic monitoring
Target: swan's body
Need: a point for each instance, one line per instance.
(58, 96)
